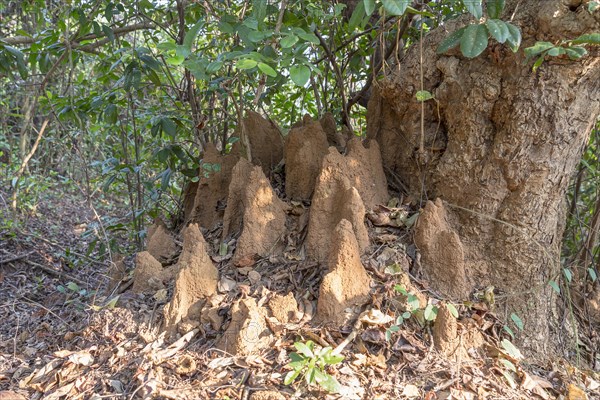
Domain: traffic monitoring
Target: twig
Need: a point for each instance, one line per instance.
(58, 274)
(338, 74)
(16, 258)
(26, 161)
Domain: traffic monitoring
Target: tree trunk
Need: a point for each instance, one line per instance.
(500, 145)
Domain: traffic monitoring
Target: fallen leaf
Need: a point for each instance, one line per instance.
(575, 393)
(411, 391)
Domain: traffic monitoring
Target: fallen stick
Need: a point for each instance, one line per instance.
(16, 258)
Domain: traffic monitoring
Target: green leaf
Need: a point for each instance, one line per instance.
(537, 48)
(150, 62)
(497, 29)
(109, 33)
(474, 40)
(554, 286)
(508, 365)
(357, 16)
(307, 36)
(168, 126)
(226, 28)
(331, 359)
(451, 41)
(592, 274)
(291, 377)
(514, 37)
(327, 382)
(300, 74)
(110, 114)
(538, 62)
(176, 60)
(556, 51)
(518, 322)
(575, 52)
(568, 274)
(214, 66)
(495, 8)
(266, 69)
(259, 10)
(509, 378)
(298, 364)
(288, 41)
(400, 289)
(474, 7)
(509, 331)
(190, 36)
(452, 310)
(424, 95)
(112, 303)
(588, 38)
(395, 7)
(166, 177)
(511, 349)
(246, 63)
(593, 6)
(19, 57)
(305, 349)
(369, 7)
(256, 36)
(73, 286)
(309, 377)
(413, 302)
(430, 312)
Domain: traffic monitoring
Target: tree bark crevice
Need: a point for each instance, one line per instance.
(513, 139)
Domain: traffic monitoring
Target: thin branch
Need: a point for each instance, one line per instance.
(377, 67)
(340, 79)
(75, 43)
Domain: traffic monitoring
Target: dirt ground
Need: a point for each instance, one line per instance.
(215, 313)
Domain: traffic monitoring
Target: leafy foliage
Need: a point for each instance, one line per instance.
(574, 49)
(310, 364)
(473, 38)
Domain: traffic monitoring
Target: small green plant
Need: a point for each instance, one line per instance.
(429, 313)
(573, 48)
(311, 364)
(75, 294)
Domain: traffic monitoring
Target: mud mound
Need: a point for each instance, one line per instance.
(247, 333)
(196, 280)
(334, 138)
(284, 308)
(347, 284)
(334, 199)
(305, 148)
(212, 188)
(447, 339)
(254, 210)
(365, 171)
(189, 198)
(441, 251)
(149, 274)
(160, 242)
(267, 395)
(266, 142)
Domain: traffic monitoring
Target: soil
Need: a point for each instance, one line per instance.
(216, 313)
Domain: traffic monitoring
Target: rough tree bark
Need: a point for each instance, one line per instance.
(501, 143)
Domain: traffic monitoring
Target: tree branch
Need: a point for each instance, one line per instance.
(338, 74)
(75, 43)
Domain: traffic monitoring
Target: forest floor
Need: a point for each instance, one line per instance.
(65, 335)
